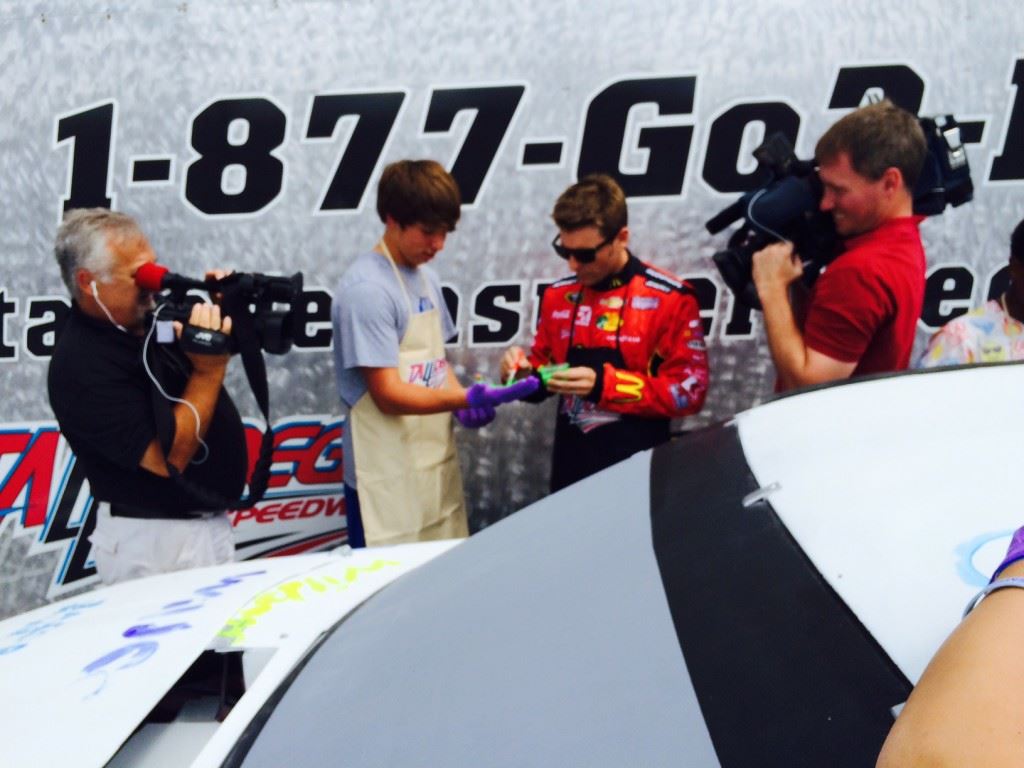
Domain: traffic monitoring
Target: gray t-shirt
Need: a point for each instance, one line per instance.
(369, 315)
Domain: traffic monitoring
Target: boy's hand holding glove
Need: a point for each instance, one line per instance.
(483, 401)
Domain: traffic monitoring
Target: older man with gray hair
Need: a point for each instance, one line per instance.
(115, 391)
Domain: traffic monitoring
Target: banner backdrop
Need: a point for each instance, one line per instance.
(250, 135)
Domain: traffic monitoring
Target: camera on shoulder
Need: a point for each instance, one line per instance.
(263, 312)
(785, 205)
(262, 307)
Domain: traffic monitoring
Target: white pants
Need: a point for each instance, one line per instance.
(126, 548)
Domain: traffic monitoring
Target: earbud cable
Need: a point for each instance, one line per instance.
(162, 391)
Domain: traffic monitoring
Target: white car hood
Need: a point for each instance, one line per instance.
(109, 656)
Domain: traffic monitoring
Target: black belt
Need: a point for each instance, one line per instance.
(145, 513)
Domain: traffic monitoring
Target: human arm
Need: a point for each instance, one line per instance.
(395, 397)
(669, 382)
(578, 380)
(518, 363)
(965, 709)
(514, 361)
(775, 268)
(472, 417)
(202, 390)
(368, 324)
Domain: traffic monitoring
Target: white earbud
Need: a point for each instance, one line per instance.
(110, 317)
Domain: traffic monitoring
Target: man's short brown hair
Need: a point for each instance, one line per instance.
(877, 137)
(596, 200)
(419, 192)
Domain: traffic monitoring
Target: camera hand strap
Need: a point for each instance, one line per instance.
(235, 305)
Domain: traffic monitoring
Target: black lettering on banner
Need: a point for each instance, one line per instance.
(947, 294)
(151, 170)
(313, 320)
(706, 292)
(900, 84)
(8, 352)
(725, 142)
(41, 338)
(542, 153)
(1009, 165)
(61, 527)
(236, 135)
(495, 106)
(374, 115)
(453, 300)
(741, 320)
(998, 283)
(78, 567)
(498, 305)
(91, 132)
(667, 147)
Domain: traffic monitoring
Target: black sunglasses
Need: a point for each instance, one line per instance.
(582, 255)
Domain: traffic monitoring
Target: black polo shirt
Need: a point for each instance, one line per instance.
(107, 408)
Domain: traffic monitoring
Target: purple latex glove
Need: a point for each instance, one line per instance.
(480, 395)
(1014, 552)
(474, 418)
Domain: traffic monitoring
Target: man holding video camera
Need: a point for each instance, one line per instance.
(115, 390)
(861, 315)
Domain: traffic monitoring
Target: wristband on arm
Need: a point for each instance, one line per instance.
(1014, 553)
(1017, 582)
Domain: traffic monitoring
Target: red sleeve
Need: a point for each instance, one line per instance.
(680, 384)
(847, 308)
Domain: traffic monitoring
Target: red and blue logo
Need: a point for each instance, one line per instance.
(44, 495)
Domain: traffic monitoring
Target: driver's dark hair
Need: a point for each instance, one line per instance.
(419, 192)
(877, 137)
(596, 200)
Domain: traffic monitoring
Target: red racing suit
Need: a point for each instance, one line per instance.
(640, 330)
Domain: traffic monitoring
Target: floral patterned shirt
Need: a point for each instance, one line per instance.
(987, 334)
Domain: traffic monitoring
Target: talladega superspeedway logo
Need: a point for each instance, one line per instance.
(44, 494)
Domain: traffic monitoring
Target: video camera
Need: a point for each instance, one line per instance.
(785, 207)
(257, 326)
(250, 299)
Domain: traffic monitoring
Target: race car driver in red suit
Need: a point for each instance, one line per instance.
(631, 335)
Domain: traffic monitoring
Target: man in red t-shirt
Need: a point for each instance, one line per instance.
(862, 313)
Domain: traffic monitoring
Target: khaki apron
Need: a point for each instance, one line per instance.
(407, 470)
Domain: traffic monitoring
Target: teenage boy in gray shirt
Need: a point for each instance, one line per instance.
(402, 480)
